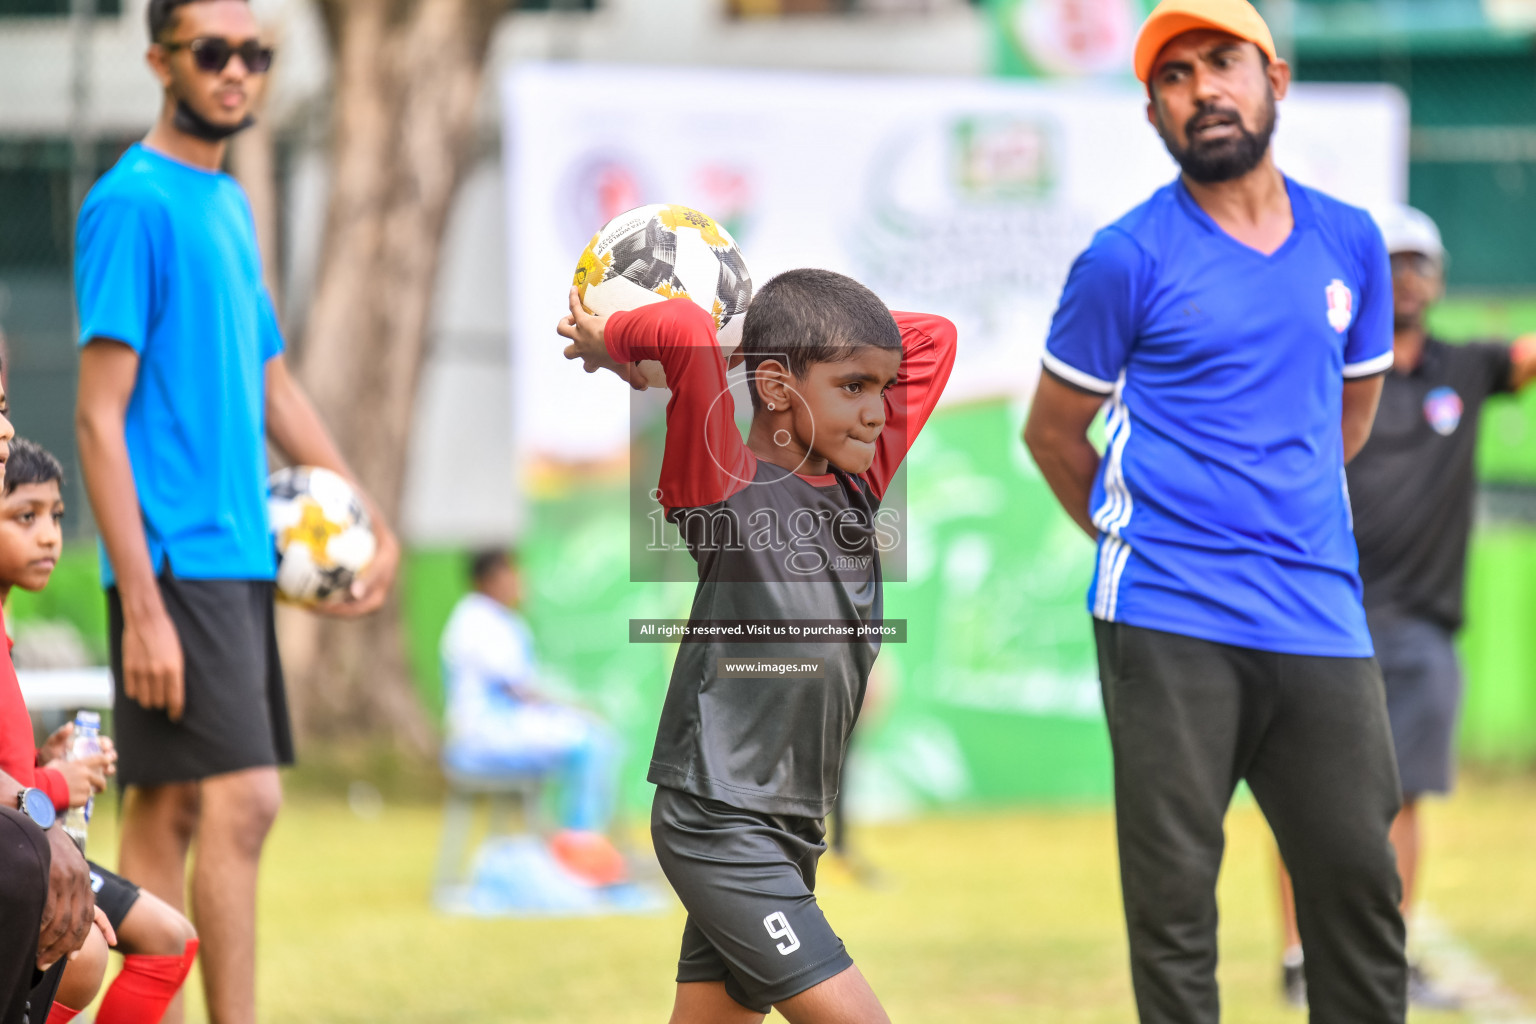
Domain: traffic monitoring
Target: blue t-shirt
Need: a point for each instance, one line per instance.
(166, 263)
(1221, 502)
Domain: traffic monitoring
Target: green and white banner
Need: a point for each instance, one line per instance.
(964, 197)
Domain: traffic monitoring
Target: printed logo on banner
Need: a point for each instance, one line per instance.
(1001, 157)
(963, 211)
(1341, 303)
(728, 196)
(597, 188)
(1076, 37)
(1443, 408)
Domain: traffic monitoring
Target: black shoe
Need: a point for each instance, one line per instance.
(1425, 994)
(1293, 986)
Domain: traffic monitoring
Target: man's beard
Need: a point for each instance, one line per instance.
(1223, 159)
(190, 122)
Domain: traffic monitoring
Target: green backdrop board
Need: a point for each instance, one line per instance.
(1499, 649)
(994, 697)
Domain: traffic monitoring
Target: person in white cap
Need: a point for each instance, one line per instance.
(1411, 488)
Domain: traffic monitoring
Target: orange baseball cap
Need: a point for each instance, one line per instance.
(1174, 17)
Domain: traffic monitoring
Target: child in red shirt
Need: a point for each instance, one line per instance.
(158, 944)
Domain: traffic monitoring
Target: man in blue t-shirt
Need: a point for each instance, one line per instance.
(1237, 324)
(182, 384)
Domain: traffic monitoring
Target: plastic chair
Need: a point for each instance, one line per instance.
(524, 788)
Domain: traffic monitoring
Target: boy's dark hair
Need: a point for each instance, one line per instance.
(483, 563)
(161, 13)
(812, 316)
(30, 463)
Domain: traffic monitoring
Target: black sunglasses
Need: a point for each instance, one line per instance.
(211, 54)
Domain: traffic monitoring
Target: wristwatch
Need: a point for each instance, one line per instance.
(38, 806)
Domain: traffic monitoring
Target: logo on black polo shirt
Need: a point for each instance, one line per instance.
(1443, 408)
(1341, 305)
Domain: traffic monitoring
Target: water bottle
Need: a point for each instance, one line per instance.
(87, 741)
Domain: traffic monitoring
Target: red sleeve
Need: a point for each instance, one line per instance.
(927, 356)
(18, 754)
(51, 781)
(705, 460)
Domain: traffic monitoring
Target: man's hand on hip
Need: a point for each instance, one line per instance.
(71, 907)
(152, 661)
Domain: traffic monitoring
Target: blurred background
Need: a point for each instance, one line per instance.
(424, 175)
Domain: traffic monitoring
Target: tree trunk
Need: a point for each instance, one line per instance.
(253, 161)
(407, 77)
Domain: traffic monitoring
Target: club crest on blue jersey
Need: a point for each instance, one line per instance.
(1443, 408)
(1341, 305)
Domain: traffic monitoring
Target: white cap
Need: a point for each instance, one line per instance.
(1405, 229)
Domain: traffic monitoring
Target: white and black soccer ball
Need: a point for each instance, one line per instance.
(322, 534)
(664, 251)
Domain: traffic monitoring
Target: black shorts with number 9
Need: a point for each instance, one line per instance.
(747, 880)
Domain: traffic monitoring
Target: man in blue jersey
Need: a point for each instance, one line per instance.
(1237, 323)
(182, 383)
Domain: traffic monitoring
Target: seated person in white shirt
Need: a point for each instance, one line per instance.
(499, 722)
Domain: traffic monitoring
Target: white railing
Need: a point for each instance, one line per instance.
(65, 689)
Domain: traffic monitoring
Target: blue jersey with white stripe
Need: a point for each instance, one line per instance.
(1221, 503)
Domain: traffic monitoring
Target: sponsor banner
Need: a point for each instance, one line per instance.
(965, 197)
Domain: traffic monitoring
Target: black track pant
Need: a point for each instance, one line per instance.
(24, 861)
(1189, 718)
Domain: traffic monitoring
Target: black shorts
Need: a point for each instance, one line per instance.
(1423, 681)
(115, 895)
(236, 711)
(747, 880)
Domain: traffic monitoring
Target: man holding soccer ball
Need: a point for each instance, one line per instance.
(182, 383)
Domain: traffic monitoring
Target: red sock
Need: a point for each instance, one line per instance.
(145, 987)
(61, 1014)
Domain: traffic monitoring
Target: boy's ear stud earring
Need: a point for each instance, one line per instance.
(770, 405)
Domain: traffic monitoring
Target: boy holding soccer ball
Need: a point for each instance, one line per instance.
(783, 527)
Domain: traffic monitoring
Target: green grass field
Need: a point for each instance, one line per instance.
(997, 917)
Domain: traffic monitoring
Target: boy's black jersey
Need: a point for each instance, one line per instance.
(764, 724)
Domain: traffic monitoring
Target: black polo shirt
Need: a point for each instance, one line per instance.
(1411, 486)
